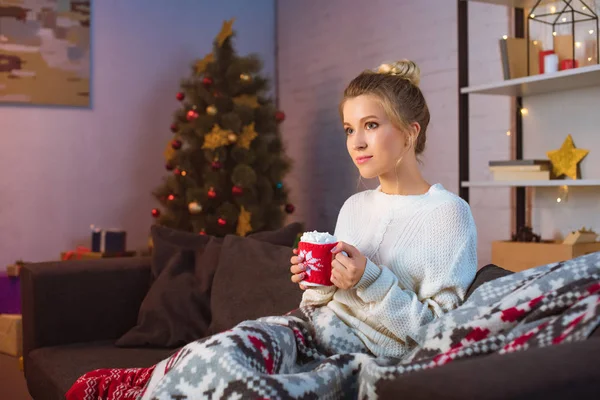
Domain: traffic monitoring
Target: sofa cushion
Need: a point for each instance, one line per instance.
(564, 371)
(486, 274)
(252, 281)
(177, 309)
(51, 371)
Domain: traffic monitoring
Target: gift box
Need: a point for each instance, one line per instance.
(11, 334)
(10, 294)
(108, 240)
(86, 254)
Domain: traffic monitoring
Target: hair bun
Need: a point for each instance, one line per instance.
(404, 69)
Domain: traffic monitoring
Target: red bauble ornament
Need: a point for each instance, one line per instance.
(173, 128)
(207, 81)
(279, 116)
(289, 208)
(155, 212)
(222, 221)
(169, 166)
(216, 165)
(180, 96)
(212, 194)
(191, 115)
(202, 232)
(171, 197)
(177, 171)
(176, 144)
(237, 191)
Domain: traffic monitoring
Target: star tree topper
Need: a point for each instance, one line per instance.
(564, 160)
(226, 31)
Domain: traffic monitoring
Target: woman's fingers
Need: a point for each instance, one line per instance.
(297, 268)
(297, 278)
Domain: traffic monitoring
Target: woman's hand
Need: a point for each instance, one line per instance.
(297, 269)
(348, 268)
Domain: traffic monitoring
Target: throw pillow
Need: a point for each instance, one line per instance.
(176, 309)
(486, 274)
(252, 281)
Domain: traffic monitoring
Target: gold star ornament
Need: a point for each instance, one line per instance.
(564, 160)
(226, 31)
(169, 152)
(246, 100)
(243, 225)
(202, 64)
(216, 138)
(247, 136)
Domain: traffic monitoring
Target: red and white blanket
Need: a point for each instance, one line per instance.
(291, 356)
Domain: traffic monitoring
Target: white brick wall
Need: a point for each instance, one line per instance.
(322, 45)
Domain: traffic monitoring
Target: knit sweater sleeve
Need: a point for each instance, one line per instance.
(446, 246)
(322, 295)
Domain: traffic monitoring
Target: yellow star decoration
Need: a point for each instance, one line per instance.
(247, 136)
(202, 64)
(243, 225)
(216, 138)
(246, 100)
(564, 160)
(169, 151)
(226, 31)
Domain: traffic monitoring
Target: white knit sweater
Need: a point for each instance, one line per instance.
(421, 258)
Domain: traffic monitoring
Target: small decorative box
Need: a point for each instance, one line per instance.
(108, 240)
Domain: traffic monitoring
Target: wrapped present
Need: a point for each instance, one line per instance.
(11, 334)
(82, 253)
(108, 240)
(79, 253)
(10, 294)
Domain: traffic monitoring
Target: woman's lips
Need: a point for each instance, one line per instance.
(363, 159)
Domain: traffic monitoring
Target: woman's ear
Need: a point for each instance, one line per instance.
(413, 133)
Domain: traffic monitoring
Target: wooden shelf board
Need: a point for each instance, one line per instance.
(552, 182)
(513, 3)
(576, 78)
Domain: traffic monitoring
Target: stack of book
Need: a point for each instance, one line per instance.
(521, 170)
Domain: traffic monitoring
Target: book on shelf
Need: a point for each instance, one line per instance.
(513, 53)
(521, 175)
(519, 163)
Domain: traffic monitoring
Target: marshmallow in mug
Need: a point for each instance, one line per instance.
(319, 238)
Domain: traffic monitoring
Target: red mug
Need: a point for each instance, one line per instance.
(317, 259)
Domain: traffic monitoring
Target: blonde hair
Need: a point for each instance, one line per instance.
(396, 85)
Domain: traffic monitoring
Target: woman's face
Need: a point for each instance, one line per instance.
(373, 142)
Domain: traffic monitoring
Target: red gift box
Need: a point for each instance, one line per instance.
(568, 64)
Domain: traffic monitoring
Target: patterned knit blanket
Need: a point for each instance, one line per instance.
(311, 354)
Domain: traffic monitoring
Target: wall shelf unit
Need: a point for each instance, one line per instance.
(561, 81)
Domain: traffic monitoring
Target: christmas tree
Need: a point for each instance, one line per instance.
(226, 161)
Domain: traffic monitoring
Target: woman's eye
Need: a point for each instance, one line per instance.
(371, 125)
(349, 131)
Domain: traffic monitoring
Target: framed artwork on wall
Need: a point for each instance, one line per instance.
(45, 52)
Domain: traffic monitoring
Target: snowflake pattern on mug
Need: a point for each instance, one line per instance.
(310, 261)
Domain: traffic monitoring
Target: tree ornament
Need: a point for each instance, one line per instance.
(564, 160)
(180, 96)
(237, 190)
(211, 193)
(216, 165)
(216, 138)
(279, 185)
(247, 136)
(206, 81)
(226, 31)
(202, 232)
(289, 208)
(211, 110)
(191, 115)
(169, 153)
(183, 173)
(174, 127)
(171, 197)
(222, 221)
(203, 63)
(194, 207)
(169, 166)
(232, 137)
(155, 212)
(279, 116)
(216, 94)
(176, 144)
(177, 171)
(245, 78)
(246, 100)
(243, 225)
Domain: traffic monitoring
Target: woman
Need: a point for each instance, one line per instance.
(407, 254)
